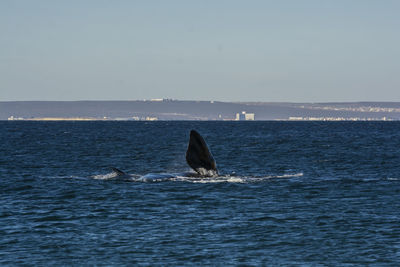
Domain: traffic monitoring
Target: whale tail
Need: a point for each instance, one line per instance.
(199, 157)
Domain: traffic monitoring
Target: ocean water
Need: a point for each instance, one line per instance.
(289, 193)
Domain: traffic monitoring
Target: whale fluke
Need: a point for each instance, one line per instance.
(199, 157)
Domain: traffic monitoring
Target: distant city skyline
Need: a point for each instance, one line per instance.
(271, 51)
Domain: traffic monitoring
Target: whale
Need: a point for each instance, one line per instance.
(198, 157)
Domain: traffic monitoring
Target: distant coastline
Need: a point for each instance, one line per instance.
(168, 109)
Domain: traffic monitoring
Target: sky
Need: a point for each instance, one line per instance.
(287, 51)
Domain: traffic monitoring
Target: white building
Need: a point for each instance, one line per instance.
(151, 118)
(244, 116)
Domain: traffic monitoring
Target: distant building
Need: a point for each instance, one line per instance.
(244, 116)
(151, 119)
(249, 116)
(12, 118)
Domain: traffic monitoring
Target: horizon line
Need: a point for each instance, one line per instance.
(193, 100)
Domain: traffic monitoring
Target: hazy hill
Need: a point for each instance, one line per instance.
(196, 110)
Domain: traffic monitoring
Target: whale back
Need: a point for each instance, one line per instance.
(118, 172)
(199, 157)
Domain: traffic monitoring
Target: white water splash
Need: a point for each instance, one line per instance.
(193, 178)
(107, 176)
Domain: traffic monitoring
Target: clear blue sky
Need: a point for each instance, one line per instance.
(297, 51)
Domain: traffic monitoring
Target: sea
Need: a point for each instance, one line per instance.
(287, 194)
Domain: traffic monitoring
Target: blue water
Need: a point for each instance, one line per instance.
(290, 193)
